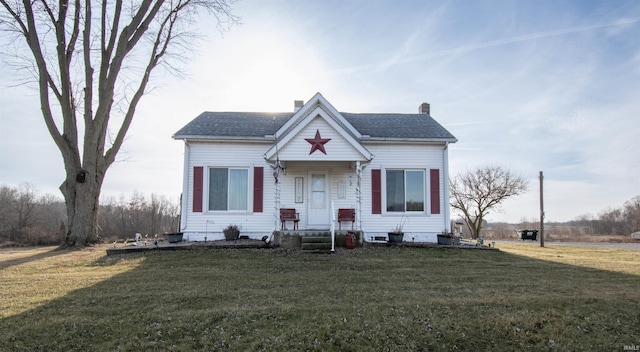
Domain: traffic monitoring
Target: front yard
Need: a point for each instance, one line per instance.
(553, 298)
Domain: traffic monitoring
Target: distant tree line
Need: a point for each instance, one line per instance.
(28, 218)
(623, 221)
(618, 221)
(124, 218)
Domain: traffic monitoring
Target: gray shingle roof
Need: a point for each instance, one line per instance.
(419, 126)
(233, 124)
(261, 124)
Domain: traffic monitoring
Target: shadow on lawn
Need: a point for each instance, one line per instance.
(382, 299)
(55, 251)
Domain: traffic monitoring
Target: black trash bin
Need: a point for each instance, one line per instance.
(528, 234)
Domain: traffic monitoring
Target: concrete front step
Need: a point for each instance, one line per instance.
(316, 246)
(315, 239)
(316, 243)
(295, 239)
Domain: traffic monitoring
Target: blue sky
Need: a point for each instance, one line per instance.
(550, 86)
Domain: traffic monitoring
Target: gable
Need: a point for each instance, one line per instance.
(310, 122)
(334, 144)
(318, 105)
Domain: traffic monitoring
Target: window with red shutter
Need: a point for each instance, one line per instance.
(435, 191)
(197, 189)
(376, 192)
(258, 182)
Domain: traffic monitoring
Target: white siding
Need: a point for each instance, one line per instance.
(211, 223)
(422, 227)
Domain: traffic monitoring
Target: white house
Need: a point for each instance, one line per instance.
(241, 168)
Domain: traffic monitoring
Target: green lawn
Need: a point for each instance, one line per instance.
(406, 299)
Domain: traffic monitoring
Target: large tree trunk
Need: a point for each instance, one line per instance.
(82, 210)
(81, 191)
(475, 226)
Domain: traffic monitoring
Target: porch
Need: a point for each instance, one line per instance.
(312, 196)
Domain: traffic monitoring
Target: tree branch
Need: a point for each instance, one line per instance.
(160, 46)
(107, 46)
(111, 68)
(481, 190)
(88, 67)
(29, 31)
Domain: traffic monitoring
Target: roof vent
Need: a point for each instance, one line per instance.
(424, 109)
(297, 104)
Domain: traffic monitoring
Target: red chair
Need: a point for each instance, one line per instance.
(346, 214)
(289, 214)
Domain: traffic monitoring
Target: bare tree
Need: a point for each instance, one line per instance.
(49, 219)
(631, 215)
(92, 63)
(8, 197)
(123, 218)
(474, 193)
(25, 204)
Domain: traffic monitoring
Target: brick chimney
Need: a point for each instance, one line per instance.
(424, 108)
(297, 104)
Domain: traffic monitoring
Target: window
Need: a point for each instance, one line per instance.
(405, 190)
(228, 189)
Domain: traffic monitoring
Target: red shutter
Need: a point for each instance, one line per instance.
(376, 192)
(197, 189)
(435, 191)
(258, 181)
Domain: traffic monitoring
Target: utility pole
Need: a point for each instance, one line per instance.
(541, 212)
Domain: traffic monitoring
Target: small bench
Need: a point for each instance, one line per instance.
(346, 214)
(289, 214)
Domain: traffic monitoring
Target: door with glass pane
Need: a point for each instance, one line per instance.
(318, 204)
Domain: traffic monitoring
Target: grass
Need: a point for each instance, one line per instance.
(521, 298)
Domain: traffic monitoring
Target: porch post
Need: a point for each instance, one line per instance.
(276, 212)
(358, 197)
(445, 184)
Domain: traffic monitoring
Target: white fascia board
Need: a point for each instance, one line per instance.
(389, 140)
(222, 139)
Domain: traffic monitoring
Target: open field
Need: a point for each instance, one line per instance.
(522, 297)
(555, 237)
(600, 245)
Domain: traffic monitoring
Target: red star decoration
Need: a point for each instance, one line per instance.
(317, 143)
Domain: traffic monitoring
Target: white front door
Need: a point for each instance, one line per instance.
(318, 205)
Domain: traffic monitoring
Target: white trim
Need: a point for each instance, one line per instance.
(184, 201)
(445, 185)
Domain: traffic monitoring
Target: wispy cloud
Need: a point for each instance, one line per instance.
(399, 59)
